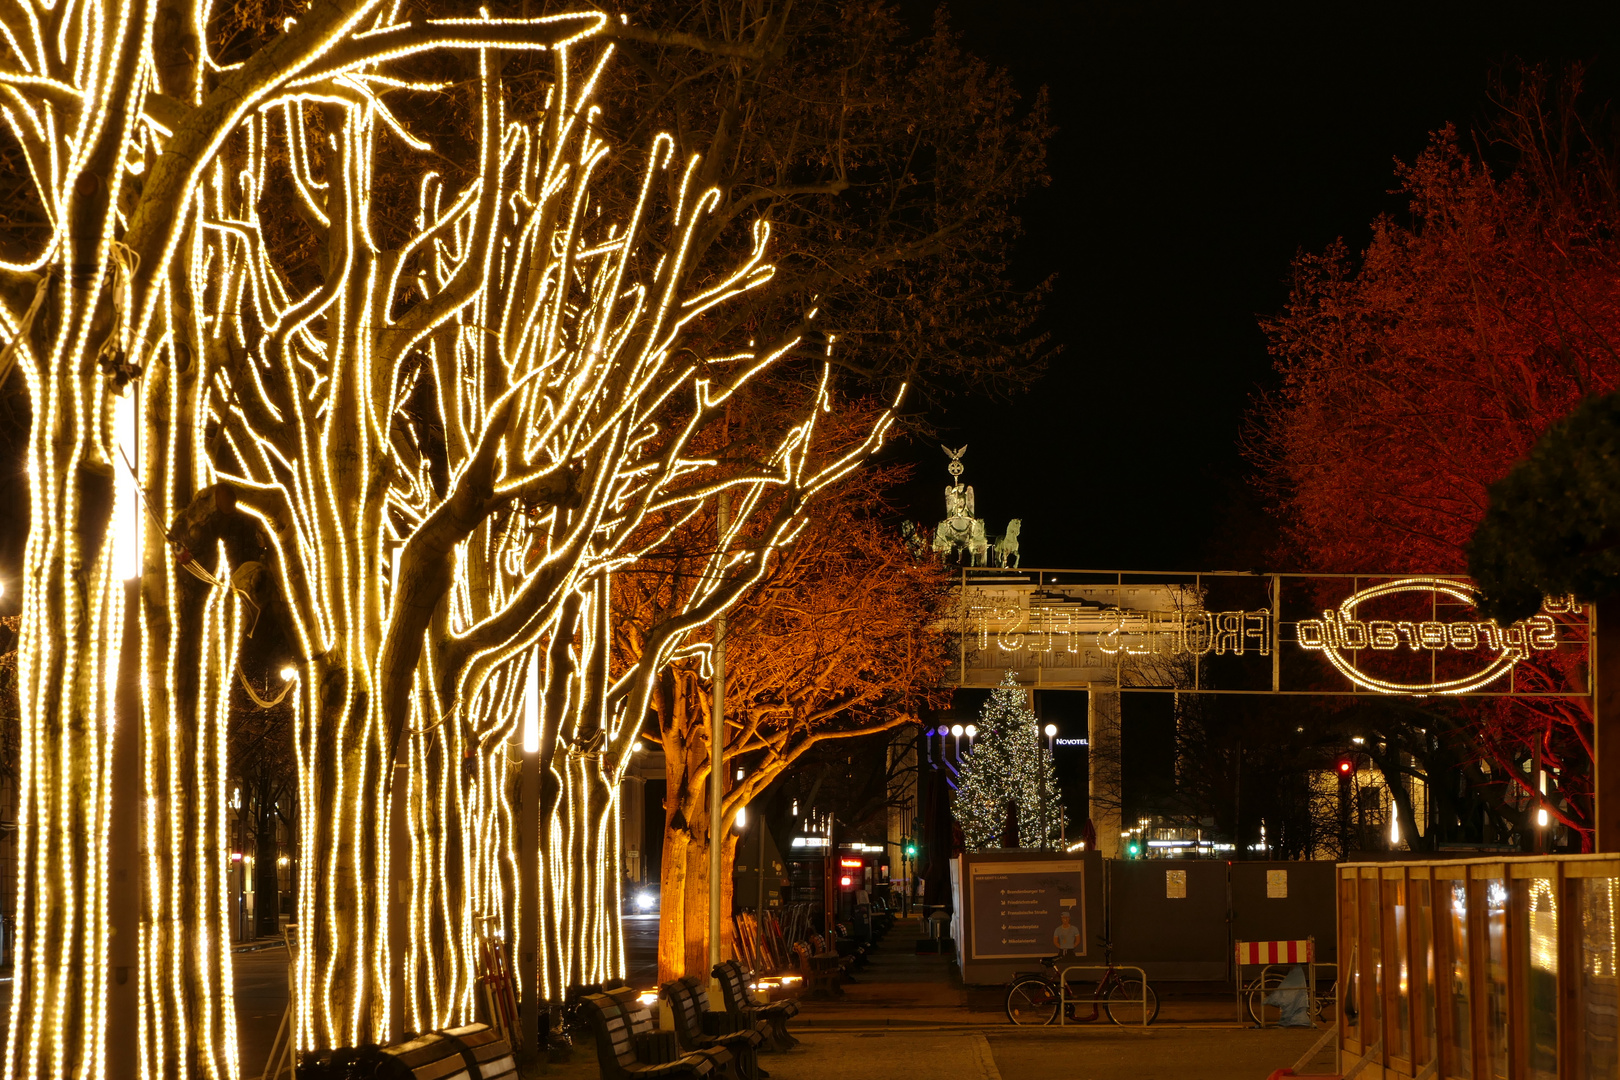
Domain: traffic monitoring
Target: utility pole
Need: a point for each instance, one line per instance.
(717, 743)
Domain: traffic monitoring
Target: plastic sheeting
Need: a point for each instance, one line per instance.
(1292, 999)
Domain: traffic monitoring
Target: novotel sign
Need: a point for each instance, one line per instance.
(1473, 651)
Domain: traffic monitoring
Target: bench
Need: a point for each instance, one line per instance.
(743, 1009)
(473, 1052)
(627, 1047)
(822, 974)
(819, 946)
(852, 946)
(698, 1029)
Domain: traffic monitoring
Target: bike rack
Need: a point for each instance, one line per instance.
(1063, 989)
(1311, 969)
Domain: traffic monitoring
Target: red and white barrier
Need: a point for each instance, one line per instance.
(1276, 952)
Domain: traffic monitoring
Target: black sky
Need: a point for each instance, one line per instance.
(1201, 146)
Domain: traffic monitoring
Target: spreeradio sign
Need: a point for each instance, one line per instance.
(1414, 635)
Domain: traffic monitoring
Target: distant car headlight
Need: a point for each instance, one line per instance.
(644, 901)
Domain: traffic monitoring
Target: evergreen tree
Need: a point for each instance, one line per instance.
(1008, 767)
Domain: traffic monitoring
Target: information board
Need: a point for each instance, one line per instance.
(1017, 907)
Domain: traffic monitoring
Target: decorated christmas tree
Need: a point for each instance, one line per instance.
(1008, 777)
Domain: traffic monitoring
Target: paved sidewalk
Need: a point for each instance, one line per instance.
(905, 1009)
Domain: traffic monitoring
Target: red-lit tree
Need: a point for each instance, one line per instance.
(1415, 377)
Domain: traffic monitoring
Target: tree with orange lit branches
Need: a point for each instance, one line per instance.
(1413, 379)
(838, 640)
(423, 419)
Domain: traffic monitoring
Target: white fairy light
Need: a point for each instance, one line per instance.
(553, 352)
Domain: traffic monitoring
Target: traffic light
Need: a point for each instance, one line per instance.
(1346, 766)
(911, 849)
(1133, 850)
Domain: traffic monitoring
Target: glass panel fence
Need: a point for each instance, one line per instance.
(1423, 992)
(1599, 986)
(1494, 891)
(1372, 961)
(1400, 1027)
(1460, 1043)
(1349, 959)
(1535, 952)
(1493, 968)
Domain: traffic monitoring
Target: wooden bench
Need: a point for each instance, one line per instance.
(696, 1028)
(625, 1037)
(474, 1052)
(820, 947)
(743, 1009)
(821, 974)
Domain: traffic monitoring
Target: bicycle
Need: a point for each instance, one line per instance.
(1033, 998)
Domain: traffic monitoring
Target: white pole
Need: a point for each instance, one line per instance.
(717, 743)
(528, 951)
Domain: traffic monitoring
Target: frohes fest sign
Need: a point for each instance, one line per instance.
(1362, 637)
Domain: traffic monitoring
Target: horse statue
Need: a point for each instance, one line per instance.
(960, 533)
(1007, 546)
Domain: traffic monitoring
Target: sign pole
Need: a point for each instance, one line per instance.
(1606, 726)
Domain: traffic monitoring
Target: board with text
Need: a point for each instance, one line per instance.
(1018, 908)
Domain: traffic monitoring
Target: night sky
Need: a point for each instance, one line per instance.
(1201, 146)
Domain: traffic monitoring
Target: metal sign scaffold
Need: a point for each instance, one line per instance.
(1416, 635)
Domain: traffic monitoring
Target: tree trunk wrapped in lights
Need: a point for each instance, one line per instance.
(437, 445)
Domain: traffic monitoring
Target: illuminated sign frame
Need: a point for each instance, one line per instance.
(1338, 632)
(1079, 632)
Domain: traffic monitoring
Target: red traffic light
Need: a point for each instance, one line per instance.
(1346, 766)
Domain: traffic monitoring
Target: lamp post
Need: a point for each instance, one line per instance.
(1051, 730)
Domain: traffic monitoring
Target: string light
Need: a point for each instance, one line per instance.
(1338, 633)
(1008, 766)
(553, 343)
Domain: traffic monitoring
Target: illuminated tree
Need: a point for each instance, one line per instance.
(837, 641)
(419, 402)
(890, 167)
(1414, 378)
(1008, 775)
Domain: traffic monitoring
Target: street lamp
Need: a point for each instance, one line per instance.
(956, 733)
(1051, 730)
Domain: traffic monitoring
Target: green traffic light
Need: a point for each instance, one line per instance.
(911, 849)
(1134, 850)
